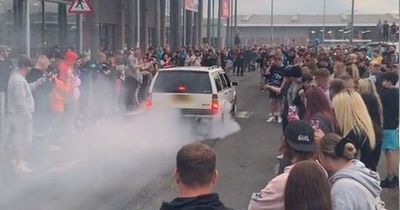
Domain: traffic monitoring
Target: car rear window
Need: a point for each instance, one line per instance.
(176, 81)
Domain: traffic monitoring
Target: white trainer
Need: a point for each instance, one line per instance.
(271, 119)
(279, 120)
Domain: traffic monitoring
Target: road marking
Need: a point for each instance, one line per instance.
(244, 114)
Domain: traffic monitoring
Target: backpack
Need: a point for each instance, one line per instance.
(379, 204)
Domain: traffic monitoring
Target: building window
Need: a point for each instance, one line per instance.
(6, 23)
(51, 27)
(107, 37)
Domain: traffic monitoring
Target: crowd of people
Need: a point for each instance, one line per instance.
(68, 91)
(338, 108)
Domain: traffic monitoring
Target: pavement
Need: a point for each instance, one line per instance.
(128, 165)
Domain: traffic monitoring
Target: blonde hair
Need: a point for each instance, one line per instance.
(352, 70)
(352, 114)
(367, 86)
(330, 142)
(338, 69)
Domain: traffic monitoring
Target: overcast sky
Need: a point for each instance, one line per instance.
(316, 6)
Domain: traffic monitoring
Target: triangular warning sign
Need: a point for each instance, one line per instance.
(80, 6)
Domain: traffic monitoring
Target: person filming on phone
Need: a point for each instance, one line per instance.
(318, 111)
(41, 93)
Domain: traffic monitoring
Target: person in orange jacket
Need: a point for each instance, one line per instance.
(61, 96)
(63, 84)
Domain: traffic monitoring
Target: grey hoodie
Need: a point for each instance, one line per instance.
(348, 196)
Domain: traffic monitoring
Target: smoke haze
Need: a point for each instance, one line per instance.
(108, 163)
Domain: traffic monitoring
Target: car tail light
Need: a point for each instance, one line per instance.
(182, 89)
(149, 102)
(214, 104)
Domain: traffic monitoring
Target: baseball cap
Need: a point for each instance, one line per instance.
(300, 136)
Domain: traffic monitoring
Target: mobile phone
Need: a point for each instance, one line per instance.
(292, 110)
(315, 124)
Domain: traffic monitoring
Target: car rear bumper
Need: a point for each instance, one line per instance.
(199, 114)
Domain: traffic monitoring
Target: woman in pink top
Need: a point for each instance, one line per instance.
(298, 145)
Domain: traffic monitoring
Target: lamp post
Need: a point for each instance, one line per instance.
(323, 24)
(209, 22)
(352, 23)
(138, 25)
(28, 29)
(236, 15)
(272, 22)
(219, 24)
(213, 22)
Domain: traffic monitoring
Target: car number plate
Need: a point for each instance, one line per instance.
(182, 99)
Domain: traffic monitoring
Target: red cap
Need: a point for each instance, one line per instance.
(71, 56)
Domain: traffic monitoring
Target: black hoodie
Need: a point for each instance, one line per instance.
(202, 202)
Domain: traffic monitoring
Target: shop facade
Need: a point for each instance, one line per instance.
(52, 28)
(34, 27)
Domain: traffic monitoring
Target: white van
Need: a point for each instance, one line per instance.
(199, 92)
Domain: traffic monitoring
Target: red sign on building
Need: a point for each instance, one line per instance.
(192, 5)
(226, 8)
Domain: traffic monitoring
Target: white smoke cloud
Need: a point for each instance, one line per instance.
(108, 163)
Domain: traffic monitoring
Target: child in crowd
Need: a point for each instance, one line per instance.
(274, 76)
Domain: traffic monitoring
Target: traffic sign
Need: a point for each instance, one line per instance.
(80, 7)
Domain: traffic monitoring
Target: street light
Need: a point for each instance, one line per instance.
(352, 22)
(272, 22)
(323, 24)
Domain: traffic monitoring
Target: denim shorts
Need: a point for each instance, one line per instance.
(390, 139)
